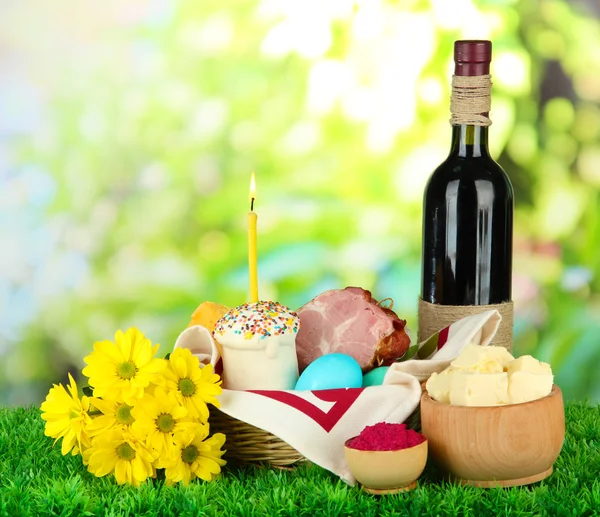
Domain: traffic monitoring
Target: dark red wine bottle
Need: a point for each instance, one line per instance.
(468, 210)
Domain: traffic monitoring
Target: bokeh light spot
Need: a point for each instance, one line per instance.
(588, 165)
(559, 114)
(511, 71)
(522, 145)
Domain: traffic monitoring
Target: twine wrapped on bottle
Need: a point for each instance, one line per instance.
(471, 100)
(434, 317)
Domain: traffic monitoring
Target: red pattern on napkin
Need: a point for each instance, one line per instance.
(343, 400)
(443, 337)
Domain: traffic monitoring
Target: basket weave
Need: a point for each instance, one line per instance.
(248, 444)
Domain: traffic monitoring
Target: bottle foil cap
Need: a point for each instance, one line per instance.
(472, 57)
(472, 51)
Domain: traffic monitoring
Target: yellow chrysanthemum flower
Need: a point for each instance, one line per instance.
(193, 386)
(115, 413)
(196, 456)
(122, 452)
(124, 368)
(158, 417)
(66, 417)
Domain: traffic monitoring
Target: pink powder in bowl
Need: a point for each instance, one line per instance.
(385, 437)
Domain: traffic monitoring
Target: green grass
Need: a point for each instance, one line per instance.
(36, 480)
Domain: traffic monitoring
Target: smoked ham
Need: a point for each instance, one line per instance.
(350, 321)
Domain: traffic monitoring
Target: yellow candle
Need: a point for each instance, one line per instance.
(252, 254)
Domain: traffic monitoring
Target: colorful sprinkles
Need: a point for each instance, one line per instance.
(261, 318)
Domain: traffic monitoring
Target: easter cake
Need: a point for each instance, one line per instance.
(258, 343)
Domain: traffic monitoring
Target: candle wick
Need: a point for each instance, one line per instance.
(251, 204)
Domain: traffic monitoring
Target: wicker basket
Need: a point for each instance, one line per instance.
(248, 444)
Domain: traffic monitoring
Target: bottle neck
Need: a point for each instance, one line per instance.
(469, 141)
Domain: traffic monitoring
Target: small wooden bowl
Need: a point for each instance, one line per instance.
(503, 446)
(387, 472)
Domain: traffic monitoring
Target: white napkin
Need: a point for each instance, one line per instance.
(317, 423)
(200, 342)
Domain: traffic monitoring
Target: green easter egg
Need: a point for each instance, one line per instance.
(375, 376)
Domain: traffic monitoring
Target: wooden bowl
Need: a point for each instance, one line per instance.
(510, 445)
(387, 472)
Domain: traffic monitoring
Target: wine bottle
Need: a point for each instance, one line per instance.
(467, 210)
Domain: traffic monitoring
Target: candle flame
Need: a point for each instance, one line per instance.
(252, 190)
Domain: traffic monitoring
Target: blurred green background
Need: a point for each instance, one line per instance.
(128, 132)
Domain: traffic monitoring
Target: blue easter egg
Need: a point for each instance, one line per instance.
(375, 376)
(329, 372)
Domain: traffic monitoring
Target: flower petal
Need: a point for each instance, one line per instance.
(121, 471)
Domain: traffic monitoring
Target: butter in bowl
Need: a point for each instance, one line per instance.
(490, 376)
(386, 458)
(492, 420)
